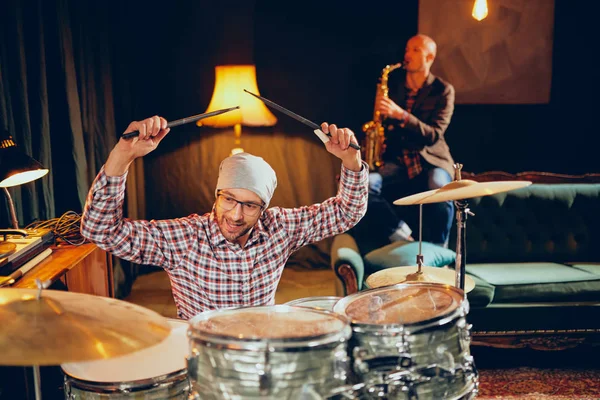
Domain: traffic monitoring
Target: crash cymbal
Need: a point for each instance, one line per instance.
(396, 275)
(459, 190)
(66, 327)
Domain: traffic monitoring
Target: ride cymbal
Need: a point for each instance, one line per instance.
(64, 327)
(460, 190)
(396, 275)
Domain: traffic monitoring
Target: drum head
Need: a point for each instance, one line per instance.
(320, 302)
(167, 357)
(401, 304)
(268, 322)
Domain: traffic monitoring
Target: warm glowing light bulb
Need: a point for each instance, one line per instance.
(23, 177)
(480, 10)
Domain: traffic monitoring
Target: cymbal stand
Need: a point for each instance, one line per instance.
(37, 382)
(462, 211)
(420, 255)
(418, 275)
(36, 368)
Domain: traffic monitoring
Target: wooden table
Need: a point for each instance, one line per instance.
(83, 269)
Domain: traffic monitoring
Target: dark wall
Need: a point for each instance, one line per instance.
(556, 137)
(322, 60)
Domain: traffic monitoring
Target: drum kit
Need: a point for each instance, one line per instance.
(404, 338)
(410, 338)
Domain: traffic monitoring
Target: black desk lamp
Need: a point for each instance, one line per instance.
(16, 168)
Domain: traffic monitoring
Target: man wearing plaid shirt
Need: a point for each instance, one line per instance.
(416, 157)
(233, 256)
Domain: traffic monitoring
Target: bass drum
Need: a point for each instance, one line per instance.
(155, 373)
(411, 340)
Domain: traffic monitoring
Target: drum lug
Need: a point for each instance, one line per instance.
(469, 365)
(67, 386)
(192, 362)
(264, 374)
(402, 345)
(341, 366)
(465, 334)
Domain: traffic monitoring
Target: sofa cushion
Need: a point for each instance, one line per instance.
(593, 268)
(539, 282)
(482, 294)
(542, 222)
(525, 273)
(404, 253)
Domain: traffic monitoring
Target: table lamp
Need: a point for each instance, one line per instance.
(230, 82)
(16, 168)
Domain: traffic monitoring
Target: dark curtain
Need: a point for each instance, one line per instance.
(63, 88)
(24, 105)
(56, 99)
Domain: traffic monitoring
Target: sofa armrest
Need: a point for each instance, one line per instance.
(347, 264)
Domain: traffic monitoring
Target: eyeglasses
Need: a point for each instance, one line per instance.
(228, 203)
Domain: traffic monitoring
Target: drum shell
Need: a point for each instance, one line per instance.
(286, 368)
(175, 386)
(395, 390)
(421, 353)
(158, 372)
(321, 302)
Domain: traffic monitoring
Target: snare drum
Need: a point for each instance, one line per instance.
(412, 340)
(321, 302)
(157, 372)
(267, 352)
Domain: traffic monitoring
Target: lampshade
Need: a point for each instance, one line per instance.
(16, 167)
(230, 82)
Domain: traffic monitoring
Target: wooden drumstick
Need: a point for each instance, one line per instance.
(182, 121)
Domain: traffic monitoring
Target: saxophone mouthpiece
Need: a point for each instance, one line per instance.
(392, 67)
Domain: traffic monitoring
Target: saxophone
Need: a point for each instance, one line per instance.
(373, 145)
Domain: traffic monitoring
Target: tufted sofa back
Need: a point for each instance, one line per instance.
(557, 222)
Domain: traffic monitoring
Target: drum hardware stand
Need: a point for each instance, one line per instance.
(462, 211)
(418, 276)
(36, 368)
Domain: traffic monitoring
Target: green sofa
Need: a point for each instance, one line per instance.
(534, 254)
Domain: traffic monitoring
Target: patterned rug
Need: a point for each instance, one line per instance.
(527, 383)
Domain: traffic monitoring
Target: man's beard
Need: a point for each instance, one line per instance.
(240, 227)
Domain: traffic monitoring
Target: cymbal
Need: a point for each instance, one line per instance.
(66, 327)
(396, 275)
(459, 190)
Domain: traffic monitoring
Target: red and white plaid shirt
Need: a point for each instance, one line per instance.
(208, 272)
(411, 158)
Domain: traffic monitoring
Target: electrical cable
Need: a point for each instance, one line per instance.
(65, 228)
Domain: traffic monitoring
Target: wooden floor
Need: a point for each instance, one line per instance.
(153, 290)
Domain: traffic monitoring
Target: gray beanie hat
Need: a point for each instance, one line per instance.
(245, 171)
